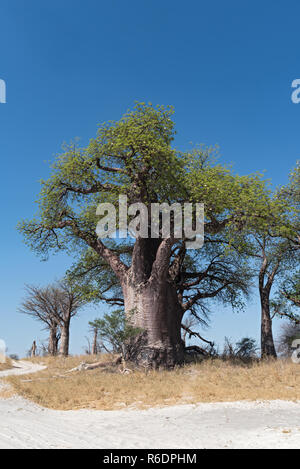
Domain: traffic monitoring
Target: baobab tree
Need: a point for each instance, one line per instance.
(206, 278)
(275, 253)
(38, 304)
(54, 305)
(279, 253)
(135, 157)
(274, 257)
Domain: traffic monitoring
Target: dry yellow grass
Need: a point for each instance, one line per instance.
(7, 365)
(209, 381)
(6, 392)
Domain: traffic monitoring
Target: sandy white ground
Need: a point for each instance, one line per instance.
(21, 368)
(274, 424)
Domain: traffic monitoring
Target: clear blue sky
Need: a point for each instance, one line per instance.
(227, 68)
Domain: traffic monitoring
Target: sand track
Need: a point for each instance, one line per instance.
(274, 424)
(22, 367)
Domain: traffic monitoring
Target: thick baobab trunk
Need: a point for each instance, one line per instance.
(151, 304)
(53, 342)
(267, 341)
(153, 308)
(64, 339)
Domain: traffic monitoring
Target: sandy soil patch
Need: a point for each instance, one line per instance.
(258, 424)
(273, 424)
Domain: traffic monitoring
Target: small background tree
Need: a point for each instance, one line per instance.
(54, 306)
(114, 331)
(245, 349)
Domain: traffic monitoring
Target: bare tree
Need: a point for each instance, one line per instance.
(245, 349)
(54, 305)
(37, 304)
(87, 348)
(93, 346)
